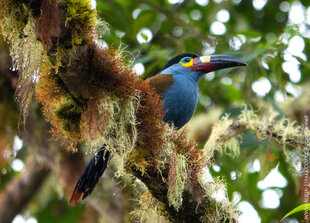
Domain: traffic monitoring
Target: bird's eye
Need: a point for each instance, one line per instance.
(186, 59)
(186, 62)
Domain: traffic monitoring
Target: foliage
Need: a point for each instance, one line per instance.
(303, 207)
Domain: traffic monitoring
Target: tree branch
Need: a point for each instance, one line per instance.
(88, 93)
(238, 127)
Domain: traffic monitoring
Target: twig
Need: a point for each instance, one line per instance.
(238, 127)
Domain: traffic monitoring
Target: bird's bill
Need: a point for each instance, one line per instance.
(216, 62)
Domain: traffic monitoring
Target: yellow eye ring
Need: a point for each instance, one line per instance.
(189, 64)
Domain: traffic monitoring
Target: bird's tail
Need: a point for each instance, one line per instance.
(91, 175)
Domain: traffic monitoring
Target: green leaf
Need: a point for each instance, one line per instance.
(302, 207)
(303, 62)
(144, 37)
(250, 33)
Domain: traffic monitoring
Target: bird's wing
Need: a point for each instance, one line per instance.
(160, 82)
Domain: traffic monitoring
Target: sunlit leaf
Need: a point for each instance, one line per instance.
(303, 207)
(144, 36)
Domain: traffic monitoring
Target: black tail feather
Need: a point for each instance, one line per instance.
(91, 175)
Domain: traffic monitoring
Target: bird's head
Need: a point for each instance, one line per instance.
(195, 66)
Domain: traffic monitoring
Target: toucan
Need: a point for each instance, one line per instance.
(177, 84)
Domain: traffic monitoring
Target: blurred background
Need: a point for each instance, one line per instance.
(264, 182)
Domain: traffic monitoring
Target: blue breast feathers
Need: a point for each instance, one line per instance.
(180, 100)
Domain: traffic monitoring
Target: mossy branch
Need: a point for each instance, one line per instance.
(90, 95)
(271, 125)
(238, 127)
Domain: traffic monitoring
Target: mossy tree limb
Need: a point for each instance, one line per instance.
(43, 152)
(283, 131)
(196, 205)
(89, 94)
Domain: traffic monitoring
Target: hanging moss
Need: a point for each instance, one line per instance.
(271, 125)
(176, 179)
(25, 50)
(118, 109)
(14, 18)
(113, 123)
(230, 147)
(149, 211)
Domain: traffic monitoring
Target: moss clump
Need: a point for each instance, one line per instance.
(69, 114)
(81, 19)
(123, 111)
(149, 210)
(80, 12)
(271, 125)
(117, 108)
(25, 50)
(62, 110)
(215, 142)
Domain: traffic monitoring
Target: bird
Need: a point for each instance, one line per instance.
(177, 85)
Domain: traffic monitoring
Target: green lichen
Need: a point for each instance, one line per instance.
(15, 18)
(175, 191)
(120, 132)
(219, 209)
(18, 29)
(169, 147)
(230, 147)
(272, 126)
(150, 210)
